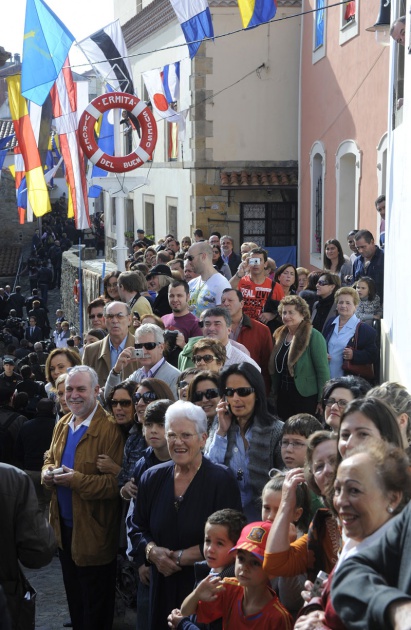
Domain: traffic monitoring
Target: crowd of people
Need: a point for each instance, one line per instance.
(221, 428)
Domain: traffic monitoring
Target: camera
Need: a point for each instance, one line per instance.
(170, 337)
(254, 261)
(139, 353)
(319, 584)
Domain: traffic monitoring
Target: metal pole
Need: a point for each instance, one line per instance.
(80, 286)
(121, 247)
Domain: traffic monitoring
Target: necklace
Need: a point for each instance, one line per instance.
(179, 499)
(279, 369)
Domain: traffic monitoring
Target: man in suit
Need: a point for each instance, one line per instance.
(33, 332)
(102, 355)
(228, 254)
(149, 339)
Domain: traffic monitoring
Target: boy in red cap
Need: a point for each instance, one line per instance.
(246, 601)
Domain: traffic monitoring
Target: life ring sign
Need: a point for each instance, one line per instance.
(111, 163)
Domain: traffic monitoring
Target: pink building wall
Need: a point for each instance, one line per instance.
(343, 97)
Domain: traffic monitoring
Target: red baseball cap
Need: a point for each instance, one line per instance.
(253, 538)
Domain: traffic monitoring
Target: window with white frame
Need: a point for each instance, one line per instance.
(149, 225)
(347, 175)
(319, 30)
(317, 170)
(349, 20)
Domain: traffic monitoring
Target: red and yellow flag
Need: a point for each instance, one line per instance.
(37, 192)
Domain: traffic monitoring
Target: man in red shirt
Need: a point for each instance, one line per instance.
(256, 288)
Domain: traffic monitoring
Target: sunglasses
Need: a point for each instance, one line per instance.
(190, 257)
(147, 397)
(240, 391)
(96, 315)
(150, 345)
(207, 358)
(322, 283)
(183, 384)
(123, 403)
(208, 394)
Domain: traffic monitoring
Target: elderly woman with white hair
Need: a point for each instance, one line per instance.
(174, 502)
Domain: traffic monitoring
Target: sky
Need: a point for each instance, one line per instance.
(82, 18)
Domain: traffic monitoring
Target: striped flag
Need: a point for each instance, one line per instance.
(195, 20)
(107, 52)
(155, 90)
(20, 183)
(64, 99)
(38, 196)
(171, 81)
(255, 12)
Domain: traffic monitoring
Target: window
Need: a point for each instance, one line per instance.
(113, 214)
(271, 224)
(348, 20)
(149, 216)
(172, 216)
(317, 168)
(347, 175)
(129, 216)
(319, 31)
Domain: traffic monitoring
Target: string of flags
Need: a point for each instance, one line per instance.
(45, 91)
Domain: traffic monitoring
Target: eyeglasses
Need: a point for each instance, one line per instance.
(190, 257)
(329, 402)
(322, 283)
(240, 391)
(208, 394)
(293, 445)
(183, 384)
(98, 315)
(147, 397)
(207, 358)
(184, 437)
(123, 403)
(150, 345)
(119, 316)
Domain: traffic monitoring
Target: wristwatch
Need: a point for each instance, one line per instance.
(148, 550)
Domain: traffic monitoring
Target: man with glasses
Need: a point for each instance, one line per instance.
(84, 507)
(217, 325)
(149, 341)
(95, 312)
(102, 355)
(206, 290)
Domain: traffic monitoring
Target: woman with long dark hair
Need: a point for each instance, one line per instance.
(334, 259)
(219, 264)
(247, 434)
(325, 307)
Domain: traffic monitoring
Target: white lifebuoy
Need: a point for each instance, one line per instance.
(148, 126)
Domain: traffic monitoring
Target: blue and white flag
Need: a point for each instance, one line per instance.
(45, 48)
(195, 20)
(171, 82)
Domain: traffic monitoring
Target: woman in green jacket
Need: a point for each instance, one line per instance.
(299, 362)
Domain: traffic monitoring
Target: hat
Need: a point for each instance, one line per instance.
(253, 538)
(8, 361)
(160, 270)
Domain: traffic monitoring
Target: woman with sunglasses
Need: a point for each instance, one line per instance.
(120, 405)
(325, 307)
(203, 391)
(209, 354)
(184, 381)
(246, 436)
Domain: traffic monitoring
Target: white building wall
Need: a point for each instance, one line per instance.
(397, 301)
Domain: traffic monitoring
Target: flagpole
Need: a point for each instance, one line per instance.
(80, 286)
(120, 248)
